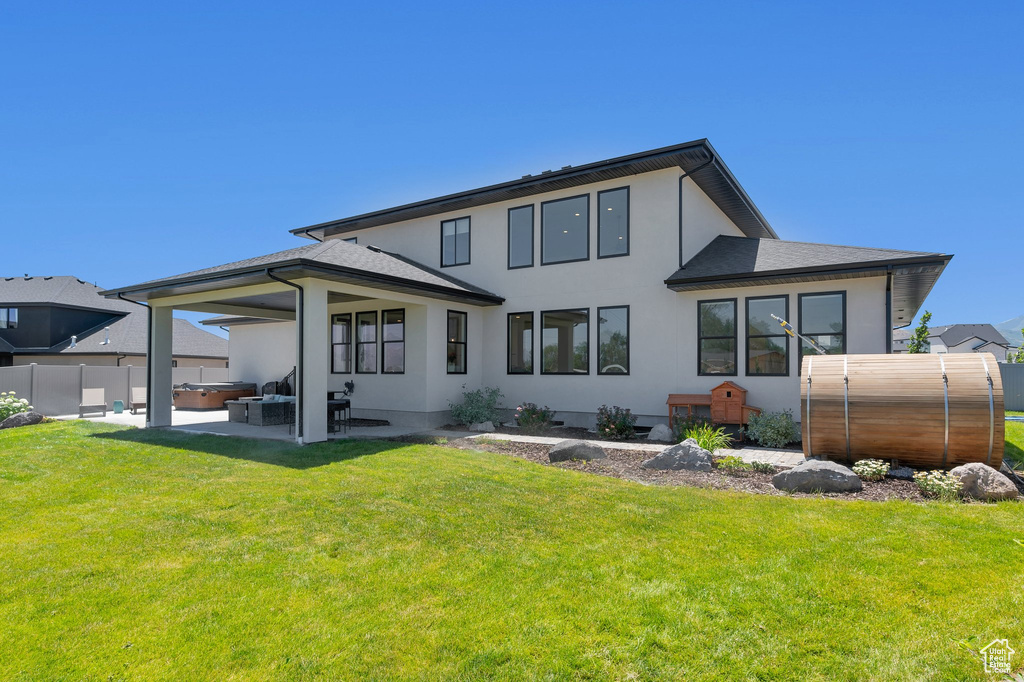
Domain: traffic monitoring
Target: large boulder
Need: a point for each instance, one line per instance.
(982, 482)
(565, 450)
(21, 419)
(482, 427)
(687, 455)
(660, 432)
(816, 476)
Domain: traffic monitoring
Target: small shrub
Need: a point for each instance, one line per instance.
(10, 404)
(773, 429)
(681, 427)
(939, 484)
(871, 469)
(762, 467)
(615, 423)
(733, 465)
(477, 406)
(441, 440)
(533, 419)
(708, 437)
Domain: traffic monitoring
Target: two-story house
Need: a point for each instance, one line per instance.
(616, 282)
(64, 321)
(959, 338)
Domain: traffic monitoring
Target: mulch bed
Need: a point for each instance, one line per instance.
(625, 464)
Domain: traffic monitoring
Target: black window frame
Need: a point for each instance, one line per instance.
(571, 260)
(351, 335)
(384, 343)
(607, 191)
(508, 344)
(469, 242)
(533, 230)
(563, 310)
(464, 343)
(800, 322)
(360, 342)
(734, 337)
(7, 318)
(629, 358)
(748, 336)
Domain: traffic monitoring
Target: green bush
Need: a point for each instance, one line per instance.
(773, 429)
(615, 423)
(871, 469)
(733, 465)
(708, 437)
(477, 406)
(9, 404)
(534, 419)
(681, 427)
(762, 467)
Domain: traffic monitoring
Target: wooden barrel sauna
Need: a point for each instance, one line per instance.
(927, 411)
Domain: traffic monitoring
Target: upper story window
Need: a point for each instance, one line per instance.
(520, 343)
(520, 237)
(565, 230)
(8, 318)
(823, 318)
(457, 342)
(767, 343)
(565, 341)
(716, 337)
(454, 242)
(341, 343)
(392, 334)
(613, 223)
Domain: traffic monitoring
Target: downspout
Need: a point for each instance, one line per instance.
(888, 309)
(149, 353)
(300, 318)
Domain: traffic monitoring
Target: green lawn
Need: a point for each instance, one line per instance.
(1015, 442)
(145, 555)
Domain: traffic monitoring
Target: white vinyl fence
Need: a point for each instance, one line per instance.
(1013, 385)
(57, 389)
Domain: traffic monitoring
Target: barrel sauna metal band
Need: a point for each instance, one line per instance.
(991, 412)
(945, 399)
(810, 450)
(846, 404)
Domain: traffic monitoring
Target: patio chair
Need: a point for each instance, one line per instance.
(138, 399)
(271, 411)
(93, 401)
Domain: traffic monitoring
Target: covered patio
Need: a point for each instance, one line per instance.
(316, 309)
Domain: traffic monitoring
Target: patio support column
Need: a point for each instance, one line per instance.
(316, 355)
(158, 367)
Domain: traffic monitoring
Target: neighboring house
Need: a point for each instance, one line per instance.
(958, 338)
(64, 321)
(616, 282)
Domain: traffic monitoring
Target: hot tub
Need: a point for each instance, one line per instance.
(210, 396)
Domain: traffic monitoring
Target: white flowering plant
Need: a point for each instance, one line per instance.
(871, 469)
(940, 484)
(11, 404)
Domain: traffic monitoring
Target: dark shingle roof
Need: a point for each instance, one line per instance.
(60, 290)
(953, 334)
(364, 264)
(128, 337)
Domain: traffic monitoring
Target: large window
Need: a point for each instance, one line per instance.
(565, 342)
(341, 343)
(823, 318)
(8, 318)
(767, 343)
(565, 230)
(716, 337)
(456, 342)
(613, 340)
(366, 342)
(613, 223)
(520, 237)
(454, 242)
(392, 334)
(520, 343)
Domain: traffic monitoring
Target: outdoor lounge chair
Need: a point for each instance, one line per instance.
(93, 401)
(138, 399)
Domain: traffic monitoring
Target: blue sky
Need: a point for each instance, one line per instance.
(140, 140)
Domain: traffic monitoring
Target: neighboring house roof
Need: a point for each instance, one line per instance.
(955, 334)
(65, 291)
(128, 337)
(742, 261)
(698, 159)
(334, 259)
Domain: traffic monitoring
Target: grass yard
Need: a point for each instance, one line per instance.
(1015, 442)
(150, 555)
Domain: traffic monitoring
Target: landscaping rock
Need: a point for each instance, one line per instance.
(660, 432)
(901, 474)
(687, 455)
(814, 476)
(21, 419)
(982, 482)
(566, 450)
(483, 427)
